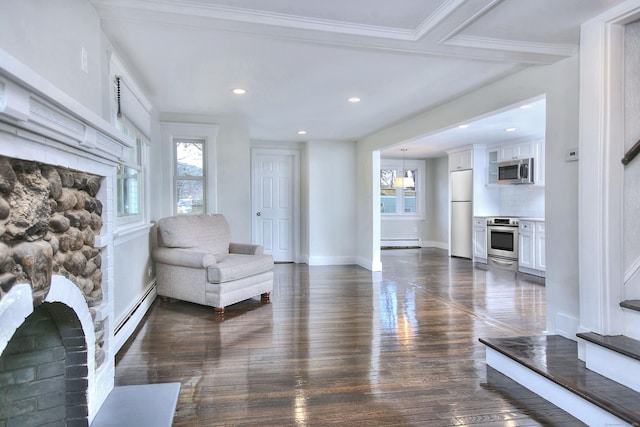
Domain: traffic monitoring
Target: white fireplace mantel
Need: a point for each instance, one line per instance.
(30, 103)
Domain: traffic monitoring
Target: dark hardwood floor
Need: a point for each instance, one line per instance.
(340, 345)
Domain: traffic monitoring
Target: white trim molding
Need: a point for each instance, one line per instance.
(600, 169)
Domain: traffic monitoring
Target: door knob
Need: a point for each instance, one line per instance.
(259, 213)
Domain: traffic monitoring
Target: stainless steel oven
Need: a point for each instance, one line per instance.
(502, 243)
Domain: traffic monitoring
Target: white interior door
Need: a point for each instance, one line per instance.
(274, 202)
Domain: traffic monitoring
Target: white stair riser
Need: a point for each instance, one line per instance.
(631, 320)
(613, 365)
(561, 397)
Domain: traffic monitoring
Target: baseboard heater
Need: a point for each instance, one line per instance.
(131, 312)
(401, 243)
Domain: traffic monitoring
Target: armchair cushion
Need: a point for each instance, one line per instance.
(231, 267)
(184, 257)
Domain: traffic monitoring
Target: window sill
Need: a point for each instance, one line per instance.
(133, 232)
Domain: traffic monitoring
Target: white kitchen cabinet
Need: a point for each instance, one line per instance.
(480, 239)
(492, 165)
(540, 247)
(526, 243)
(515, 151)
(460, 160)
(531, 247)
(538, 161)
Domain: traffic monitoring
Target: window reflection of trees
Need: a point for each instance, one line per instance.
(190, 191)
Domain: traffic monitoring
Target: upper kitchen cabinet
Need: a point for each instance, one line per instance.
(492, 165)
(460, 159)
(515, 151)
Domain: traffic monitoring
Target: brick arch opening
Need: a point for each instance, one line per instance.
(43, 370)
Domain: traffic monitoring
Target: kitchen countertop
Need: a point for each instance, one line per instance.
(521, 218)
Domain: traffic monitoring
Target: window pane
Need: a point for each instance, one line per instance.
(128, 191)
(190, 193)
(189, 158)
(388, 201)
(410, 202)
(387, 177)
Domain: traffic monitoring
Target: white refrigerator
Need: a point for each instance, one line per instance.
(461, 224)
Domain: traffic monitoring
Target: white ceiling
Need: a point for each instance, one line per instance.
(301, 59)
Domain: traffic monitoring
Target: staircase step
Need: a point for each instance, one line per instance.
(615, 357)
(555, 359)
(631, 304)
(618, 343)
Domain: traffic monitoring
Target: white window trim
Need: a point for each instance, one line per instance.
(172, 131)
(397, 164)
(131, 222)
(205, 169)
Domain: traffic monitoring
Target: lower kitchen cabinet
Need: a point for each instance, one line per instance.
(531, 250)
(540, 251)
(480, 239)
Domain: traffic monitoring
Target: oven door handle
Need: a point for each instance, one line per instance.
(503, 228)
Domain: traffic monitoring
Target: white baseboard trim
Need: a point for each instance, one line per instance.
(561, 397)
(129, 326)
(369, 264)
(567, 326)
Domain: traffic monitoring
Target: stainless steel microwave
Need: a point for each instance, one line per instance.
(516, 172)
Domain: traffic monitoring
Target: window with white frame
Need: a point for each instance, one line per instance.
(401, 192)
(129, 180)
(190, 176)
(130, 114)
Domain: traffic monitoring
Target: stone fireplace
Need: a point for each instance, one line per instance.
(57, 174)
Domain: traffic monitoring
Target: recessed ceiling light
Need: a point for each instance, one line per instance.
(463, 126)
(239, 91)
(302, 132)
(510, 129)
(354, 99)
(525, 106)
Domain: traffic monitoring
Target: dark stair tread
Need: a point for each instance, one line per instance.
(618, 343)
(631, 304)
(556, 358)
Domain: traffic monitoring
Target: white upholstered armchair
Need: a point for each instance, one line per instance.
(196, 262)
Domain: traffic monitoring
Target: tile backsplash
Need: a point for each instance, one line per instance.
(522, 201)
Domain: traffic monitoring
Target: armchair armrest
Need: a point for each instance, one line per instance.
(184, 257)
(245, 248)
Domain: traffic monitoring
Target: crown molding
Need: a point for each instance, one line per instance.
(471, 19)
(407, 42)
(436, 18)
(250, 16)
(562, 50)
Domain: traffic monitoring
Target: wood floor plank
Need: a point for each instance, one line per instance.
(339, 345)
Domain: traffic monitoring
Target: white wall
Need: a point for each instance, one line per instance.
(332, 215)
(560, 84)
(48, 37)
(437, 229)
